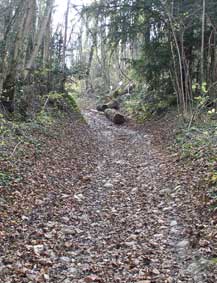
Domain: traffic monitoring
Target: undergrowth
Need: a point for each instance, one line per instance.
(199, 144)
(19, 137)
(143, 104)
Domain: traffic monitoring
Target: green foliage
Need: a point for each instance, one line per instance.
(202, 88)
(197, 142)
(213, 260)
(44, 118)
(201, 100)
(71, 102)
(153, 67)
(74, 89)
(199, 146)
(53, 95)
(137, 110)
(144, 104)
(59, 101)
(3, 126)
(157, 37)
(79, 70)
(5, 178)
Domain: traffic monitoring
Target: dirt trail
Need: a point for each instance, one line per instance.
(139, 233)
(121, 222)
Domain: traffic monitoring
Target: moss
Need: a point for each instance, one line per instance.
(71, 102)
(74, 107)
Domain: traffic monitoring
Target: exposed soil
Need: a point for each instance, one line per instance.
(103, 203)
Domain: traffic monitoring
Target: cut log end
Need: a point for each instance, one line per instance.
(115, 116)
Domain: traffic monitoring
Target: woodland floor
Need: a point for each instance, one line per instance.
(102, 203)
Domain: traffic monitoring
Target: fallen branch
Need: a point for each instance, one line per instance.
(15, 148)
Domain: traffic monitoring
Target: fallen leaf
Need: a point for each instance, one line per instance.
(92, 278)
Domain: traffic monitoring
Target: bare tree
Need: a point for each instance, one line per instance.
(39, 36)
(202, 43)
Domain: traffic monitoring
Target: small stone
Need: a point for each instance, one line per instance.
(86, 267)
(68, 244)
(65, 196)
(193, 267)
(174, 231)
(164, 192)
(79, 197)
(134, 190)
(173, 223)
(72, 270)
(108, 185)
(38, 249)
(46, 277)
(69, 230)
(86, 178)
(65, 259)
(203, 243)
(167, 208)
(132, 237)
(51, 224)
(169, 280)
(66, 219)
(183, 244)
(32, 275)
(158, 236)
(155, 271)
(48, 235)
(120, 162)
(130, 244)
(25, 218)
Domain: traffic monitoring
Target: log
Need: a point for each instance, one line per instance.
(115, 116)
(111, 105)
(101, 107)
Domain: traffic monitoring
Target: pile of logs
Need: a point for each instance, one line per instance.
(111, 109)
(111, 112)
(110, 105)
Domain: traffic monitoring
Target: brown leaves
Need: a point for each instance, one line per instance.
(118, 222)
(38, 191)
(92, 278)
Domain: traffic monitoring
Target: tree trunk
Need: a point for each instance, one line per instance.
(202, 43)
(39, 37)
(115, 116)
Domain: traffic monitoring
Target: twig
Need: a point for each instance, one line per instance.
(12, 154)
(45, 104)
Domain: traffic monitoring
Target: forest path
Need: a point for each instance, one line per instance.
(135, 231)
(120, 218)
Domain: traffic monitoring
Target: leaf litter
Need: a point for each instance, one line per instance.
(103, 203)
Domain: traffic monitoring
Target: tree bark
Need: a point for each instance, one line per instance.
(65, 35)
(115, 116)
(39, 37)
(111, 105)
(202, 43)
